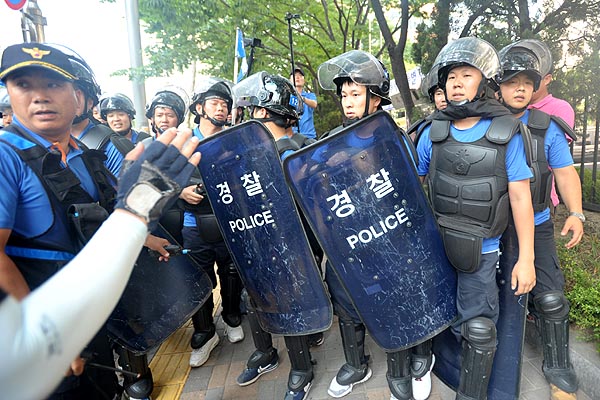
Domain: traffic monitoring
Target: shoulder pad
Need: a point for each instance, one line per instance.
(502, 129)
(538, 120)
(97, 136)
(333, 131)
(564, 126)
(414, 128)
(440, 129)
(141, 136)
(425, 124)
(301, 140)
(285, 144)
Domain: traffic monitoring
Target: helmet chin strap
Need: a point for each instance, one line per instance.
(86, 114)
(213, 121)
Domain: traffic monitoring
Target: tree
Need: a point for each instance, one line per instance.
(192, 32)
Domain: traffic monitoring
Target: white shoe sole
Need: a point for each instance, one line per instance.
(350, 387)
(212, 343)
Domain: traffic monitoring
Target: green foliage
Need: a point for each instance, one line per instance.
(580, 266)
(590, 190)
(196, 32)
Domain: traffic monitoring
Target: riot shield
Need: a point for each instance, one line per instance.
(363, 199)
(505, 379)
(257, 215)
(159, 298)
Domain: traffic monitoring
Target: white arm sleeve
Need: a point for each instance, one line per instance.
(40, 336)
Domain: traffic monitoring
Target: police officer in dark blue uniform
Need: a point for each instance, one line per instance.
(45, 175)
(211, 104)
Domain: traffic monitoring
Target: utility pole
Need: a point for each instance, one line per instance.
(135, 57)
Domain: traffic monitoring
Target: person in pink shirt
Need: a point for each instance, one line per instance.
(542, 99)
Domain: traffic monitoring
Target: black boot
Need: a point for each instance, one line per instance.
(553, 322)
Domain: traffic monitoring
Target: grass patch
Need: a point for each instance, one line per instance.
(582, 275)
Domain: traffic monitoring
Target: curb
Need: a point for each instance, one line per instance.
(584, 357)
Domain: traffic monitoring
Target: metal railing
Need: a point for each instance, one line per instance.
(585, 152)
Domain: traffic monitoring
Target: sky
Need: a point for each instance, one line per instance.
(96, 31)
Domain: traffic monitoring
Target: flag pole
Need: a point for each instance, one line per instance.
(233, 111)
(235, 55)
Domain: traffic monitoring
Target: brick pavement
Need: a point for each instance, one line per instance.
(216, 379)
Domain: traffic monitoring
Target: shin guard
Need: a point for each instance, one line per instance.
(479, 348)
(204, 327)
(138, 388)
(353, 341)
(398, 374)
(301, 372)
(421, 360)
(231, 289)
(553, 322)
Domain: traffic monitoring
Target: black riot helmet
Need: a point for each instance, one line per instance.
(515, 60)
(542, 52)
(359, 67)
(116, 102)
(172, 97)
(272, 92)
(430, 84)
(211, 88)
(86, 80)
(473, 52)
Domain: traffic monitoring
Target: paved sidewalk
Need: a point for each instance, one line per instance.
(216, 379)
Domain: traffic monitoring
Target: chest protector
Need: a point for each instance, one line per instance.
(541, 183)
(41, 256)
(468, 188)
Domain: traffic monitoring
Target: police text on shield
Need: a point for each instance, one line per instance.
(378, 229)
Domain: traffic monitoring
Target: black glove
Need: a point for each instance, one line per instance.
(151, 184)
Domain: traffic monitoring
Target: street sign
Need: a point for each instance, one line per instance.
(15, 4)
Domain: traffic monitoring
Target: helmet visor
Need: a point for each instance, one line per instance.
(359, 66)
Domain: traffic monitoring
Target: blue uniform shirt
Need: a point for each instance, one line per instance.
(557, 153)
(24, 205)
(516, 163)
(188, 217)
(306, 122)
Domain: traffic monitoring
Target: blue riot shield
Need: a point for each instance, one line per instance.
(159, 298)
(257, 215)
(363, 199)
(505, 379)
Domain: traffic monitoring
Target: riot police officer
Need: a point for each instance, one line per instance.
(211, 104)
(118, 112)
(521, 77)
(467, 69)
(270, 99)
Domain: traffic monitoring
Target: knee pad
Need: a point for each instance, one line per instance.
(552, 305)
(480, 332)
